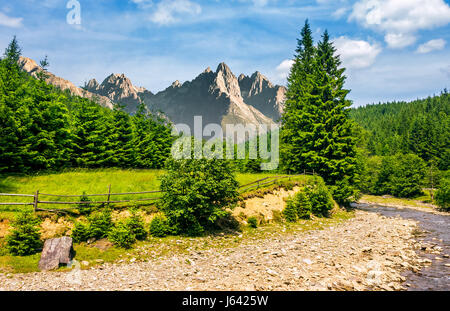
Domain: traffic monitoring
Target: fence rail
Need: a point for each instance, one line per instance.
(36, 201)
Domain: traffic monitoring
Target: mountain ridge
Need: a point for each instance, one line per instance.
(219, 96)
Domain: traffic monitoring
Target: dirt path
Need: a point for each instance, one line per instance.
(366, 252)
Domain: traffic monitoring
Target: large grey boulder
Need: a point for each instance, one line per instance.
(56, 251)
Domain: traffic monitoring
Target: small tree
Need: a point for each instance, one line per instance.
(25, 238)
(443, 194)
(122, 236)
(100, 224)
(136, 225)
(197, 193)
(401, 175)
(320, 198)
(85, 208)
(159, 226)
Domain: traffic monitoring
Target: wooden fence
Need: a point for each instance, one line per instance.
(36, 196)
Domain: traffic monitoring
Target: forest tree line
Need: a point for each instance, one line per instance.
(421, 127)
(44, 128)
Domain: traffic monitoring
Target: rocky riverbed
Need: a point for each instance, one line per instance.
(367, 252)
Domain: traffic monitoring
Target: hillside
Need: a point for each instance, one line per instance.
(421, 127)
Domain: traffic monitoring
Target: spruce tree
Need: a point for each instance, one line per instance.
(90, 142)
(317, 132)
(120, 139)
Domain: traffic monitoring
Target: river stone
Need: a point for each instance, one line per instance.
(56, 251)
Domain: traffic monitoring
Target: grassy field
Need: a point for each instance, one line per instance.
(92, 182)
(417, 202)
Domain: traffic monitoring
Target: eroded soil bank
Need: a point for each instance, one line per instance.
(369, 251)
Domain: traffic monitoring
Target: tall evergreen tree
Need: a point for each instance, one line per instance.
(317, 133)
(121, 139)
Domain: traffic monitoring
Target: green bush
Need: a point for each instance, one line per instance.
(297, 207)
(136, 225)
(344, 192)
(25, 237)
(401, 176)
(122, 235)
(85, 208)
(80, 232)
(443, 194)
(290, 211)
(319, 197)
(197, 193)
(100, 224)
(159, 226)
(252, 222)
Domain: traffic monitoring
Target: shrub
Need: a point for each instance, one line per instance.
(136, 225)
(401, 176)
(122, 235)
(197, 193)
(252, 222)
(25, 237)
(159, 226)
(319, 197)
(344, 192)
(297, 207)
(100, 224)
(80, 232)
(290, 211)
(443, 194)
(85, 208)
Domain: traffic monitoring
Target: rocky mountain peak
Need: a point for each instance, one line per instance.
(92, 85)
(31, 67)
(226, 82)
(223, 68)
(260, 93)
(176, 84)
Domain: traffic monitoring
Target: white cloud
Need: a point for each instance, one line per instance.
(7, 21)
(356, 53)
(283, 69)
(432, 45)
(170, 11)
(340, 12)
(400, 20)
(400, 40)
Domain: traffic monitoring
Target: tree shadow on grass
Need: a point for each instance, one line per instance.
(7, 187)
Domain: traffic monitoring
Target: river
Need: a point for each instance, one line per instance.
(436, 229)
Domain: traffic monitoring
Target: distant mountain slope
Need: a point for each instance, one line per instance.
(30, 66)
(216, 96)
(118, 88)
(260, 93)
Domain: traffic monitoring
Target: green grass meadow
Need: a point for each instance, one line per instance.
(90, 181)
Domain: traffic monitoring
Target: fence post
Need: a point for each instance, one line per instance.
(109, 194)
(36, 200)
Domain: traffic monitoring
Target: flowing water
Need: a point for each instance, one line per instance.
(436, 228)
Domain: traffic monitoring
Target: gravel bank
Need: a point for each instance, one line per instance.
(368, 251)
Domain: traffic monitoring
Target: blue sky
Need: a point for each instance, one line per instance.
(392, 49)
